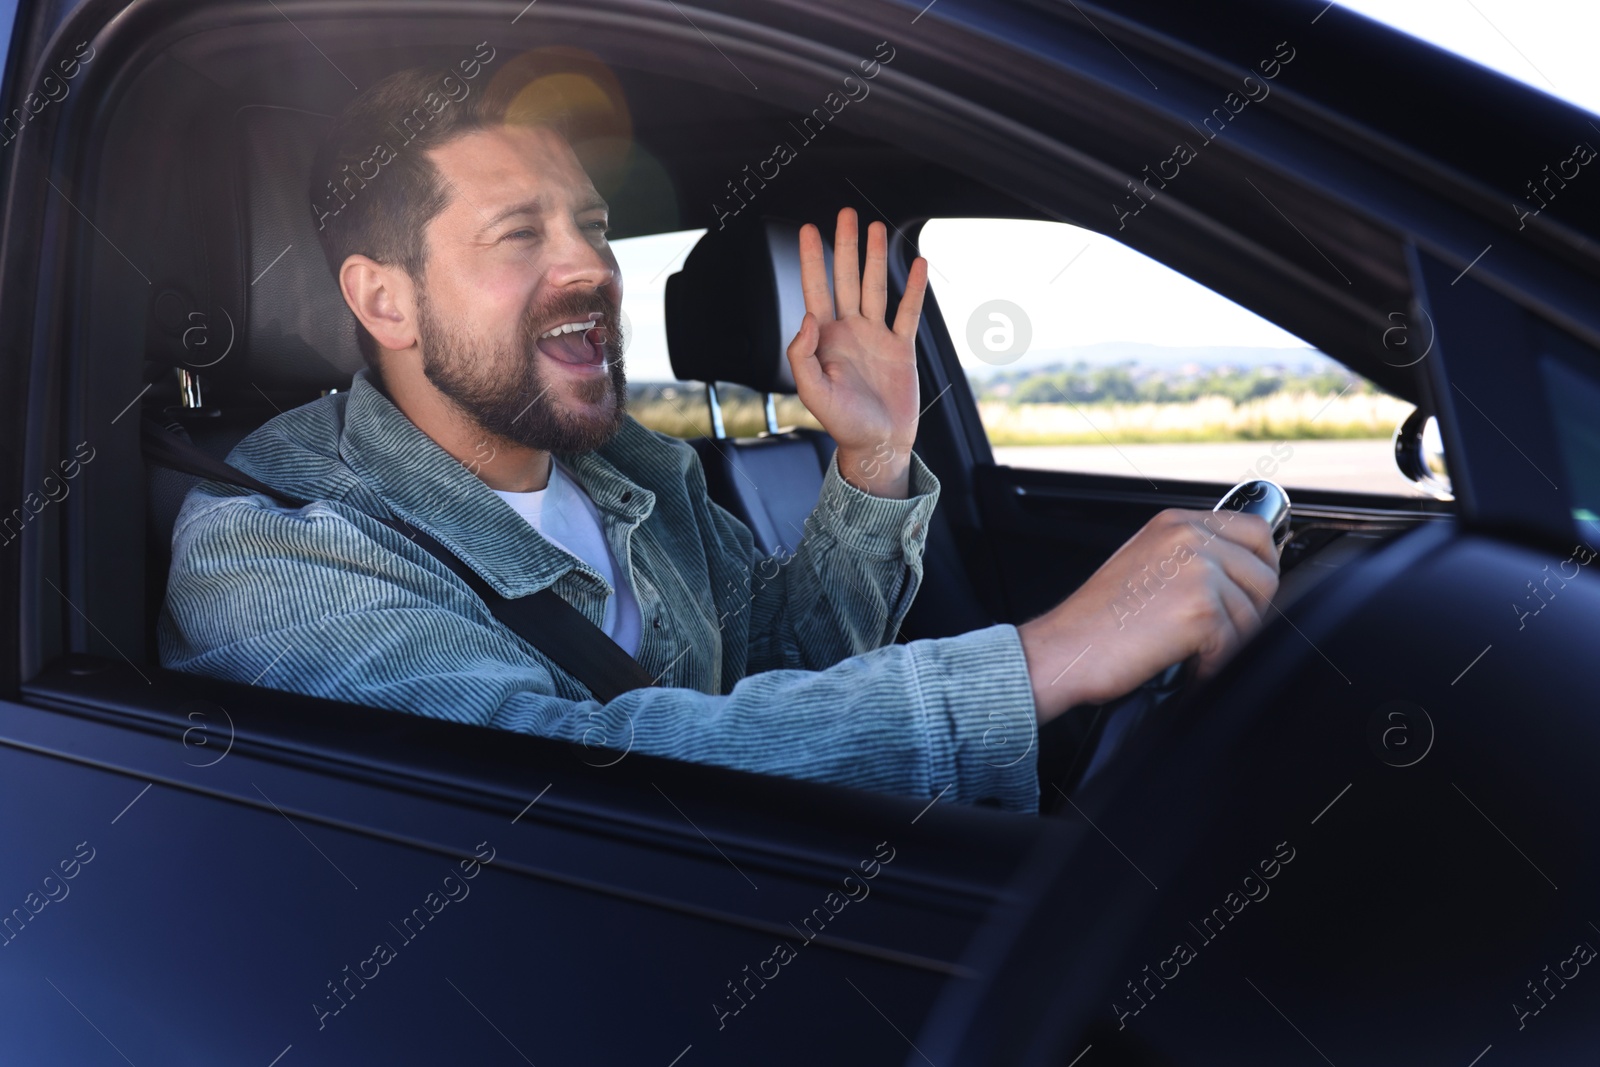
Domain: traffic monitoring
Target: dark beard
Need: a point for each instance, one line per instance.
(505, 393)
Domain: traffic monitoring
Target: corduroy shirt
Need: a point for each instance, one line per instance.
(780, 665)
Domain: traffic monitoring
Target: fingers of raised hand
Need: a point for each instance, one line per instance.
(875, 282)
(846, 273)
(804, 344)
(803, 350)
(814, 274)
(910, 311)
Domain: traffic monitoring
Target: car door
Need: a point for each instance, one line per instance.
(217, 875)
(203, 872)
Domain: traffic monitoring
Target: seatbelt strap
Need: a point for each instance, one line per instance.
(543, 619)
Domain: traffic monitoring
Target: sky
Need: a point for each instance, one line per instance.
(646, 262)
(1080, 288)
(1549, 44)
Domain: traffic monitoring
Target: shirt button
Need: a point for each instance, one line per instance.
(916, 529)
(657, 622)
(627, 496)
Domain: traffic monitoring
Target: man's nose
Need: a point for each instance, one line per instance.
(575, 261)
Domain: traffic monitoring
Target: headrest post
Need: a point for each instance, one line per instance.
(717, 429)
(771, 409)
(189, 390)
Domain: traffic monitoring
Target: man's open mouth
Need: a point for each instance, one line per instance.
(581, 342)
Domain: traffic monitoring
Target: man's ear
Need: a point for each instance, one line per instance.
(383, 299)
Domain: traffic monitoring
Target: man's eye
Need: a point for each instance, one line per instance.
(519, 235)
(598, 226)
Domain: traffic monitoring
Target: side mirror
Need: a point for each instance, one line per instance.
(1419, 453)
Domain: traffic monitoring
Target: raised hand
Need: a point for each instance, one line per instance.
(852, 371)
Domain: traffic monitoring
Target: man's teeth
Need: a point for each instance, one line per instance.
(570, 327)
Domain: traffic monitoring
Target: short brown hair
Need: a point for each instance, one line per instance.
(373, 188)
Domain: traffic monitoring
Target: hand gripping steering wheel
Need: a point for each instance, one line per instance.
(1116, 720)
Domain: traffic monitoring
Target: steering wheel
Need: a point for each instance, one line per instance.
(1115, 721)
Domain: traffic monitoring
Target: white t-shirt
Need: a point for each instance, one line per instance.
(565, 515)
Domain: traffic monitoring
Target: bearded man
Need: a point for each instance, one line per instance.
(492, 417)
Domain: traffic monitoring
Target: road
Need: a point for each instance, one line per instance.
(1353, 465)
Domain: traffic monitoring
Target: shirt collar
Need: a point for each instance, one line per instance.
(423, 484)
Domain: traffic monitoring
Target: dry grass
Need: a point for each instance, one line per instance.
(686, 415)
(1282, 416)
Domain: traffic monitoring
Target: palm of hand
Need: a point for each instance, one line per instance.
(854, 372)
(866, 393)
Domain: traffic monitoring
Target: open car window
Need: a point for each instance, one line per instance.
(657, 397)
(1085, 355)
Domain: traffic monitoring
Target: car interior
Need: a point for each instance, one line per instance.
(181, 281)
(233, 334)
(240, 319)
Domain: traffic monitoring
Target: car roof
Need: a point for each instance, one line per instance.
(1375, 141)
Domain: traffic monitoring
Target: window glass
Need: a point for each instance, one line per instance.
(646, 263)
(656, 397)
(1085, 355)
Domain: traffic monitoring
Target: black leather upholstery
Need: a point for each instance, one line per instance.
(735, 305)
(731, 312)
(253, 306)
(771, 483)
(294, 327)
(263, 292)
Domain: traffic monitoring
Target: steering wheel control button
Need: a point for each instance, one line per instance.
(1259, 496)
(1400, 733)
(999, 332)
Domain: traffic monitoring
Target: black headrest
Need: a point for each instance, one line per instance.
(736, 304)
(267, 286)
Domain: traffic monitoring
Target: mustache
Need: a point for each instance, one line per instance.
(574, 306)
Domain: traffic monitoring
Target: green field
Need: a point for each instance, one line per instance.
(681, 411)
(1281, 416)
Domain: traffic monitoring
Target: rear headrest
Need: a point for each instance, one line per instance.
(736, 304)
(265, 272)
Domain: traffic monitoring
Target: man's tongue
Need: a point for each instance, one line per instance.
(581, 347)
